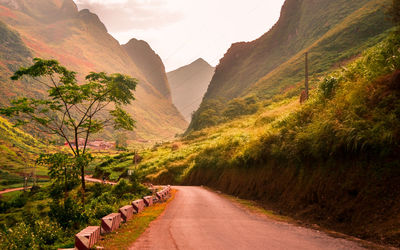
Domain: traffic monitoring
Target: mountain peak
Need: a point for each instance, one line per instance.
(91, 18)
(139, 43)
(201, 61)
(150, 65)
(188, 85)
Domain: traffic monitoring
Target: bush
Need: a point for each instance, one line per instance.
(68, 214)
(328, 86)
(47, 233)
(41, 235)
(122, 188)
(101, 209)
(18, 237)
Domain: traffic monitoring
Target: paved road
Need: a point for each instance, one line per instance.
(200, 219)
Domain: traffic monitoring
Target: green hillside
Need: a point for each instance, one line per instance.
(274, 63)
(332, 161)
(18, 152)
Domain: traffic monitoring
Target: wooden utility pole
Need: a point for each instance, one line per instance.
(306, 82)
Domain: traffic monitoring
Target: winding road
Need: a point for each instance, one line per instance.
(200, 219)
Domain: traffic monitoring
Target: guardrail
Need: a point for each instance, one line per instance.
(88, 237)
(138, 205)
(148, 201)
(110, 223)
(126, 212)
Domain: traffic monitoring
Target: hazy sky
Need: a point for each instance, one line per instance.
(181, 31)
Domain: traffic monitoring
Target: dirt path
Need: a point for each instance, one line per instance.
(200, 219)
(11, 190)
(90, 179)
(87, 178)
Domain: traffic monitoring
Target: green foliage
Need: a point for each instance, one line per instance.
(63, 169)
(214, 112)
(240, 107)
(47, 233)
(121, 142)
(328, 86)
(69, 214)
(16, 202)
(19, 237)
(41, 235)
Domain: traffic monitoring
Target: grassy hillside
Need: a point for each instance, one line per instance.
(332, 161)
(79, 40)
(274, 63)
(18, 152)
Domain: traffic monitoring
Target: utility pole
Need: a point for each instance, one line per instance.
(306, 82)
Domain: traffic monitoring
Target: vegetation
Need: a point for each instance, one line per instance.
(72, 110)
(273, 65)
(331, 161)
(48, 217)
(34, 220)
(18, 152)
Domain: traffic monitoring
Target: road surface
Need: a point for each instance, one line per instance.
(11, 190)
(201, 219)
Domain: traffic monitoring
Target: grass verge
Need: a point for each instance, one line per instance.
(130, 231)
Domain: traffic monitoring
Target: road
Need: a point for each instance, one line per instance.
(11, 190)
(201, 219)
(90, 179)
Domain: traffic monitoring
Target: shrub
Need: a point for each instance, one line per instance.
(328, 86)
(122, 188)
(68, 214)
(47, 233)
(18, 237)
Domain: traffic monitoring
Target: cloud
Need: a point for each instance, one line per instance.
(124, 15)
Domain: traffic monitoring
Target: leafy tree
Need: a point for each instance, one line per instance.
(121, 142)
(63, 170)
(72, 110)
(394, 11)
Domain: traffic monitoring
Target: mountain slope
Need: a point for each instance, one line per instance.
(189, 84)
(330, 33)
(79, 40)
(150, 65)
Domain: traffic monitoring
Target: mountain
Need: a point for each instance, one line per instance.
(274, 63)
(80, 41)
(150, 65)
(189, 84)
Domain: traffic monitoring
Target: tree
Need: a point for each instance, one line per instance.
(120, 142)
(71, 110)
(394, 11)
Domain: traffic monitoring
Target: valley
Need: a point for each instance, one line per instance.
(328, 162)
